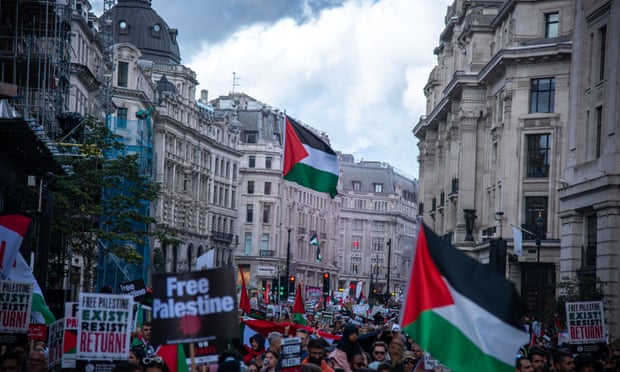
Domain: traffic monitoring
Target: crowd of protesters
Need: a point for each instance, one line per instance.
(360, 348)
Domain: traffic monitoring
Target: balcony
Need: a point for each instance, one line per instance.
(221, 236)
(267, 253)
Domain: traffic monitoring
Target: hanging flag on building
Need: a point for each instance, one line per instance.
(308, 160)
(315, 242)
(518, 240)
(266, 293)
(453, 295)
(244, 300)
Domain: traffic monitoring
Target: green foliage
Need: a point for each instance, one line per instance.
(575, 289)
(100, 206)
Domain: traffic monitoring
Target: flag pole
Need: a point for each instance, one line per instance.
(283, 141)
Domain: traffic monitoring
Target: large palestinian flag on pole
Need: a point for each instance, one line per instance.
(463, 313)
(308, 160)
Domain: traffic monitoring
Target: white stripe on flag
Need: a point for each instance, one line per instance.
(518, 241)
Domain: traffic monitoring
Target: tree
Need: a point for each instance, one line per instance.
(101, 204)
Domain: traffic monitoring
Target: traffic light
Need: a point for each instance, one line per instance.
(264, 285)
(326, 277)
(291, 284)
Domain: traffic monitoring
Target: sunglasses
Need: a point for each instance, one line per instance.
(379, 352)
(153, 360)
(408, 361)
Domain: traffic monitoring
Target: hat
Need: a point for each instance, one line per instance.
(585, 359)
(408, 354)
(395, 327)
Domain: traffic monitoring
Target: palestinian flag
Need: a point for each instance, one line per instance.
(315, 242)
(308, 160)
(299, 310)
(174, 357)
(460, 311)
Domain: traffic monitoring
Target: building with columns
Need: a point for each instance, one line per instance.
(588, 189)
(277, 217)
(491, 142)
(377, 227)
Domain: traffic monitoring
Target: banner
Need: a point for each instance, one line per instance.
(135, 289)
(104, 326)
(69, 338)
(15, 306)
(586, 322)
(290, 358)
(194, 306)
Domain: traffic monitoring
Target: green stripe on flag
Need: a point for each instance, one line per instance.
(451, 347)
(313, 178)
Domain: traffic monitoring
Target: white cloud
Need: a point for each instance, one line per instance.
(356, 72)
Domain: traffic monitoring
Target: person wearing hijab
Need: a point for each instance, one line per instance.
(256, 348)
(347, 346)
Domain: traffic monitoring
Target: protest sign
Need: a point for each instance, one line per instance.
(15, 306)
(291, 354)
(54, 343)
(135, 289)
(104, 324)
(69, 338)
(37, 332)
(585, 321)
(194, 306)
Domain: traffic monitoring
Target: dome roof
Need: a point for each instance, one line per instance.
(138, 24)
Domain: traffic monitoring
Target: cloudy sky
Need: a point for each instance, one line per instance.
(352, 68)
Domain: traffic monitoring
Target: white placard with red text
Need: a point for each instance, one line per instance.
(585, 322)
(104, 326)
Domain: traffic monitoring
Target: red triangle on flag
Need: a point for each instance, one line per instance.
(427, 288)
(294, 150)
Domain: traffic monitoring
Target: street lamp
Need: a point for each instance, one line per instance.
(539, 221)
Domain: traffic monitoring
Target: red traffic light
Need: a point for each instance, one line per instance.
(325, 275)
(292, 278)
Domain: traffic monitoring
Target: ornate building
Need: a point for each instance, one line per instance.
(377, 226)
(492, 138)
(588, 198)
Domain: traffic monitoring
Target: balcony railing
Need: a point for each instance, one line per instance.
(222, 236)
(267, 253)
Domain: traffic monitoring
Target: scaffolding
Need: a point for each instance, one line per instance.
(35, 56)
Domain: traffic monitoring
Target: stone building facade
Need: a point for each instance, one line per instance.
(491, 141)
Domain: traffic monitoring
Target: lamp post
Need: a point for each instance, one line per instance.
(539, 232)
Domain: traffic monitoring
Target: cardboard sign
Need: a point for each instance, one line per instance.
(194, 306)
(135, 289)
(54, 343)
(104, 326)
(69, 338)
(291, 354)
(586, 322)
(15, 306)
(37, 332)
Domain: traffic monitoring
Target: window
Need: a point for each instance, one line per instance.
(268, 161)
(378, 226)
(378, 187)
(602, 36)
(360, 204)
(252, 161)
(358, 224)
(542, 95)
(357, 185)
(250, 136)
(123, 74)
(250, 187)
(264, 242)
(356, 262)
(266, 213)
(249, 213)
(121, 117)
(356, 243)
(535, 205)
(599, 128)
(538, 150)
(247, 247)
(377, 244)
(552, 22)
(267, 188)
(381, 206)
